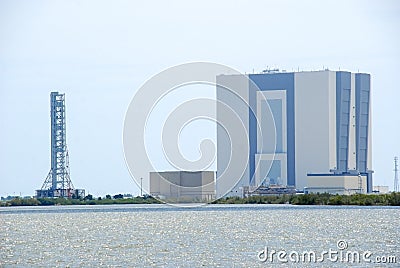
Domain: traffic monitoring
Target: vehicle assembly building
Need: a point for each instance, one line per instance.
(318, 138)
(58, 182)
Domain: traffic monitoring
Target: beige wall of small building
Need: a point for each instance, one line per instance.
(381, 189)
(184, 185)
(336, 184)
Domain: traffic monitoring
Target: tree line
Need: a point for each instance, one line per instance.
(87, 200)
(391, 199)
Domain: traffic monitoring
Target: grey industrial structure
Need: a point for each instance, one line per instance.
(304, 131)
(58, 182)
(316, 130)
(183, 185)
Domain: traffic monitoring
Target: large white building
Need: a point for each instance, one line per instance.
(301, 126)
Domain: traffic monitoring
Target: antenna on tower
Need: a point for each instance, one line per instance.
(396, 174)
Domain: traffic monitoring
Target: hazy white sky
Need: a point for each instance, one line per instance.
(100, 52)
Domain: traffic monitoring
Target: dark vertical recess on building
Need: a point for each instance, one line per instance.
(362, 125)
(252, 130)
(277, 81)
(343, 89)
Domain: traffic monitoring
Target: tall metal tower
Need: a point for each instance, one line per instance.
(58, 182)
(396, 174)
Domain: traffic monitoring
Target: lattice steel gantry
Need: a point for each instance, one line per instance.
(58, 182)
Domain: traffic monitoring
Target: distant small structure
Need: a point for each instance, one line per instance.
(58, 182)
(127, 196)
(271, 189)
(8, 198)
(380, 189)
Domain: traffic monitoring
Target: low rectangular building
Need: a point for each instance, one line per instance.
(183, 186)
(380, 189)
(68, 193)
(336, 184)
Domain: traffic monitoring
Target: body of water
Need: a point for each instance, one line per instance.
(208, 236)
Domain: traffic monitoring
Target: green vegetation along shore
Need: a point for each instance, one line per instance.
(392, 199)
(85, 201)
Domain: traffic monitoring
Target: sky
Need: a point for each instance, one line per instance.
(100, 52)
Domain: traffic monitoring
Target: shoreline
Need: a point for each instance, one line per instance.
(391, 199)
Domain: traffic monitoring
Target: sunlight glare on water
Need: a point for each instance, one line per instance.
(216, 235)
